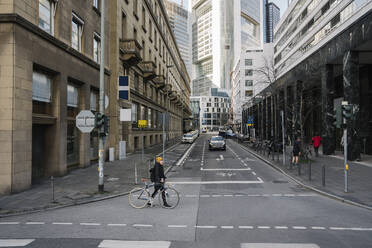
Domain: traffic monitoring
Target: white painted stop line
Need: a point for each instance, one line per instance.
(272, 245)
(133, 244)
(15, 242)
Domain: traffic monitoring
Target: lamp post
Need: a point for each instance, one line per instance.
(166, 99)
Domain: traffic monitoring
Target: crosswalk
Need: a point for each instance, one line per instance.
(150, 244)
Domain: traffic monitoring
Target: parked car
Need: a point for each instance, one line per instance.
(217, 142)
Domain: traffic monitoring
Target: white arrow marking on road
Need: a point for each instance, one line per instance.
(134, 244)
(15, 242)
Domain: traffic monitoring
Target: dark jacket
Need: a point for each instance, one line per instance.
(158, 172)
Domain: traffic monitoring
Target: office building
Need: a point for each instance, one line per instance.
(271, 17)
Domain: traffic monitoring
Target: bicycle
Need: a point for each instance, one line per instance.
(139, 197)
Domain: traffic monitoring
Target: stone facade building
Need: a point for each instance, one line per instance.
(143, 46)
(49, 72)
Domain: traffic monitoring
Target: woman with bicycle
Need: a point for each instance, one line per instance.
(158, 177)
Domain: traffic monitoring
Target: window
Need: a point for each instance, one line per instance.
(97, 48)
(248, 93)
(123, 26)
(149, 117)
(135, 5)
(136, 81)
(96, 4)
(135, 34)
(93, 101)
(143, 17)
(46, 13)
(134, 112)
(72, 96)
(76, 32)
(248, 72)
(248, 62)
(150, 29)
(248, 83)
(41, 87)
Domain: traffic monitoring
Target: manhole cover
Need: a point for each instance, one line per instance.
(280, 181)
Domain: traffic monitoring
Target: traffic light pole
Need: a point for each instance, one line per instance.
(101, 102)
(346, 166)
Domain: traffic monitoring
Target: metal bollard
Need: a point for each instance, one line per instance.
(135, 172)
(323, 175)
(309, 171)
(52, 183)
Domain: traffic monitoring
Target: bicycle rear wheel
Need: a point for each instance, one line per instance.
(138, 197)
(172, 197)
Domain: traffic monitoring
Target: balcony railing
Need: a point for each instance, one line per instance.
(130, 52)
(148, 69)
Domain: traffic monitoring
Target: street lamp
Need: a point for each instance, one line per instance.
(166, 99)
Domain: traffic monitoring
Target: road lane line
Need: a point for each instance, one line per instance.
(337, 228)
(263, 227)
(216, 195)
(9, 223)
(277, 195)
(277, 245)
(228, 195)
(206, 227)
(90, 224)
(142, 225)
(245, 227)
(360, 229)
(259, 179)
(281, 227)
(35, 223)
(133, 244)
(15, 242)
(177, 226)
(62, 223)
(254, 173)
(218, 182)
(116, 224)
(299, 227)
(226, 169)
(190, 195)
(289, 195)
(227, 227)
(238, 195)
(204, 196)
(318, 228)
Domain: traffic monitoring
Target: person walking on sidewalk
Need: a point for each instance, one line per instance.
(158, 177)
(296, 151)
(316, 140)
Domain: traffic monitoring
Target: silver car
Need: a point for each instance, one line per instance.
(217, 142)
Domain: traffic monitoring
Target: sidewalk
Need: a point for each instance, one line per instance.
(359, 178)
(80, 185)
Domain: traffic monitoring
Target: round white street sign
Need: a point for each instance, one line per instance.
(85, 121)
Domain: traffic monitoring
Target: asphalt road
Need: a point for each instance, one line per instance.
(228, 199)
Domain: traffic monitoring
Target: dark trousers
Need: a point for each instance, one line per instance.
(316, 150)
(157, 187)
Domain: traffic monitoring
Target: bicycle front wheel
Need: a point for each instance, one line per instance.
(171, 197)
(139, 197)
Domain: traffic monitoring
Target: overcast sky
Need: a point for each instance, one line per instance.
(282, 4)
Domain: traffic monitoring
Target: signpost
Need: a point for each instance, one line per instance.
(85, 121)
(124, 87)
(142, 124)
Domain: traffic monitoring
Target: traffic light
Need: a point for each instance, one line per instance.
(338, 116)
(347, 111)
(106, 125)
(100, 119)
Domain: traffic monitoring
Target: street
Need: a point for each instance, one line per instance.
(228, 199)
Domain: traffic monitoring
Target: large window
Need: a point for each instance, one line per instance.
(248, 93)
(76, 32)
(93, 101)
(248, 83)
(97, 48)
(248, 62)
(41, 87)
(46, 13)
(72, 96)
(134, 112)
(249, 72)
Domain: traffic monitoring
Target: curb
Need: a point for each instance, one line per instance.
(329, 195)
(32, 211)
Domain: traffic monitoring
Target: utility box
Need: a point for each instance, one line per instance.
(111, 154)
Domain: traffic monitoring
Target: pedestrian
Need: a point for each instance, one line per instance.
(316, 140)
(296, 151)
(158, 177)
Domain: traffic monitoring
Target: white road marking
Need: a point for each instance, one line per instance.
(206, 227)
(259, 179)
(35, 223)
(134, 244)
(254, 173)
(245, 227)
(299, 227)
(254, 195)
(204, 196)
(219, 182)
(9, 223)
(360, 229)
(318, 228)
(177, 226)
(273, 245)
(190, 195)
(227, 227)
(62, 223)
(228, 195)
(221, 157)
(337, 228)
(276, 194)
(281, 227)
(142, 225)
(289, 195)
(238, 195)
(226, 169)
(116, 224)
(263, 227)
(216, 195)
(15, 242)
(90, 224)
